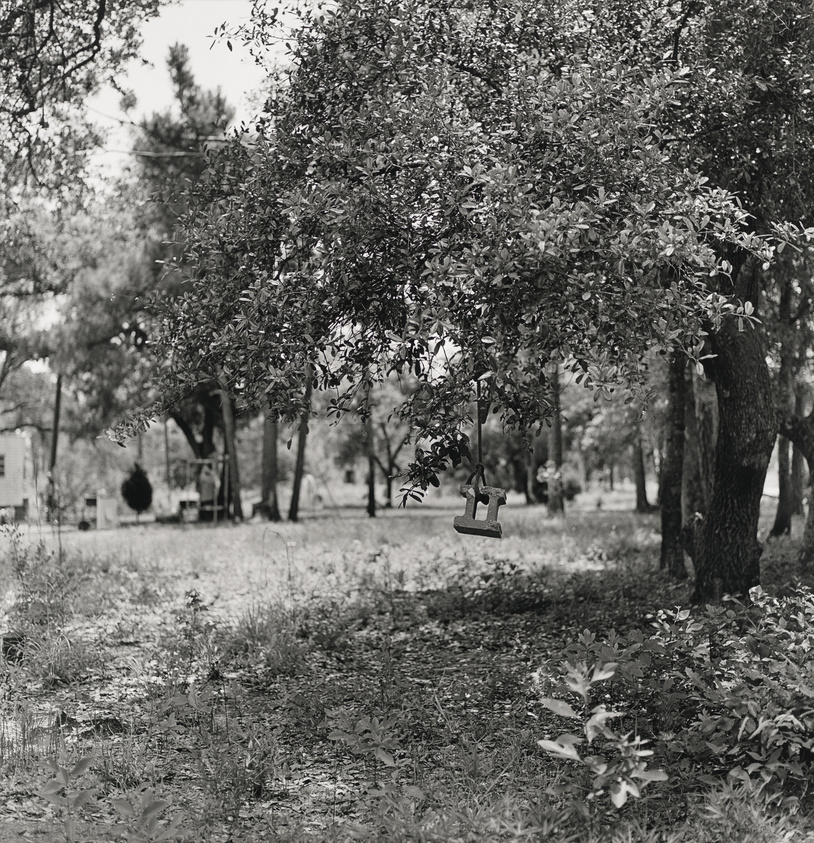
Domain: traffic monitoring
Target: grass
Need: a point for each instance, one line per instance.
(339, 679)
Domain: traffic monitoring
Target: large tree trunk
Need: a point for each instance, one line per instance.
(639, 471)
(672, 547)
(729, 553)
(269, 503)
(302, 436)
(556, 505)
(234, 504)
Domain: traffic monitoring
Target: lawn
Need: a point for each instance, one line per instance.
(356, 679)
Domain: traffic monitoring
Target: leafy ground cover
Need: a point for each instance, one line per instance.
(349, 679)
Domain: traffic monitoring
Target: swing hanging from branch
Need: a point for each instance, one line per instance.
(477, 492)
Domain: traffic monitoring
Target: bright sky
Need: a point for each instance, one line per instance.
(189, 22)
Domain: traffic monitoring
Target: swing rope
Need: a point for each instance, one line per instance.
(478, 475)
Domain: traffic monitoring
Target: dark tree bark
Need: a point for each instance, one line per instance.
(204, 446)
(51, 501)
(785, 403)
(389, 465)
(705, 400)
(302, 437)
(556, 505)
(269, 504)
(370, 450)
(692, 492)
(672, 547)
(639, 470)
(729, 553)
(233, 506)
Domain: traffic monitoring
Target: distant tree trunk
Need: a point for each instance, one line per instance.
(233, 505)
(389, 468)
(672, 547)
(785, 505)
(639, 471)
(167, 464)
(556, 505)
(798, 480)
(798, 461)
(531, 468)
(204, 447)
(370, 450)
(51, 501)
(801, 432)
(729, 552)
(269, 505)
(302, 436)
(189, 434)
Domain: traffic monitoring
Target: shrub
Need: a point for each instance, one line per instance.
(137, 490)
(725, 693)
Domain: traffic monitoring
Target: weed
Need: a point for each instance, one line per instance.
(63, 792)
(57, 659)
(264, 637)
(141, 811)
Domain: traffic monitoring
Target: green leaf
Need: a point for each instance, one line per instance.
(603, 672)
(123, 807)
(560, 707)
(618, 793)
(561, 750)
(82, 766)
(385, 757)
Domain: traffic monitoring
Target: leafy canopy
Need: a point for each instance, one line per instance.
(452, 189)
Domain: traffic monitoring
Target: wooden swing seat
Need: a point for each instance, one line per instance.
(468, 523)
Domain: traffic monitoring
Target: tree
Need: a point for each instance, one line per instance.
(52, 56)
(109, 314)
(137, 490)
(469, 193)
(412, 262)
(374, 432)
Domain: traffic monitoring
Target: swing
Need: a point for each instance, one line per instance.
(478, 492)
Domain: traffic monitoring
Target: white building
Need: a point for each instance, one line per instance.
(15, 476)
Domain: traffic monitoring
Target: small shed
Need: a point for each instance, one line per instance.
(13, 480)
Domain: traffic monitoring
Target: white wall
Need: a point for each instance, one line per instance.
(13, 483)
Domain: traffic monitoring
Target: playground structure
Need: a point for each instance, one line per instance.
(211, 482)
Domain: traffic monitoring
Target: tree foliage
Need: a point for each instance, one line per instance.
(137, 490)
(457, 191)
(53, 55)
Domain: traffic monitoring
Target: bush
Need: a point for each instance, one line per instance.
(137, 490)
(723, 694)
